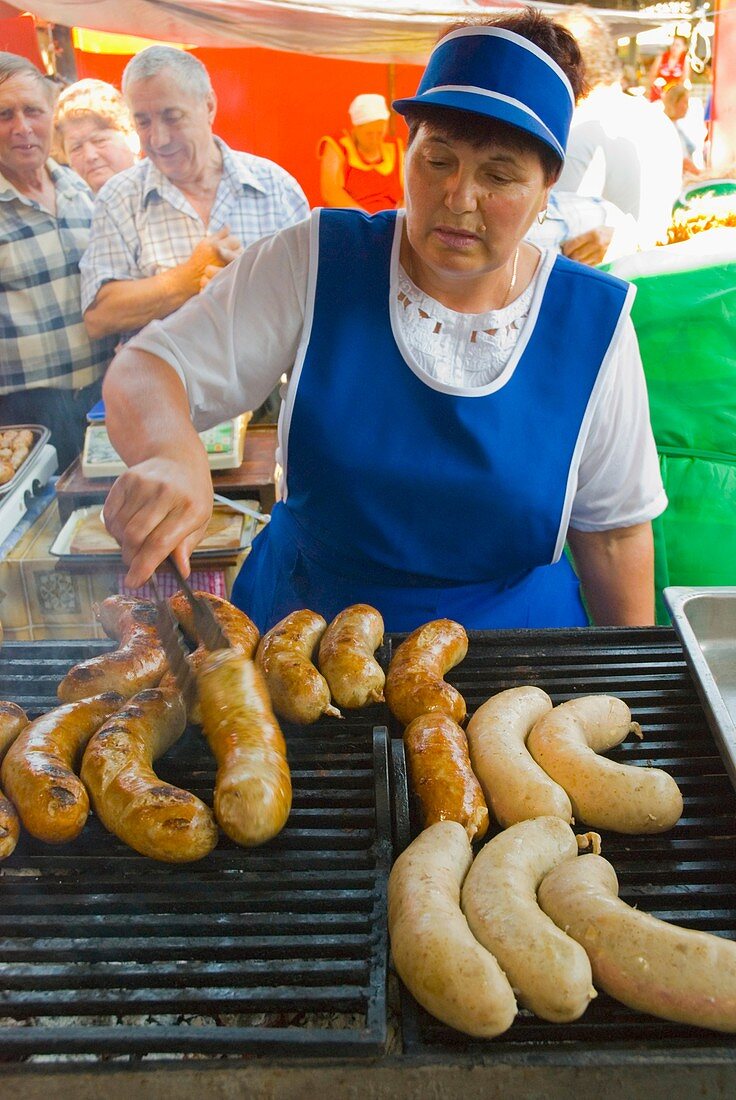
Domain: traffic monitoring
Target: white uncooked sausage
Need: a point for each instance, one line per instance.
(604, 794)
(648, 964)
(515, 786)
(548, 971)
(434, 951)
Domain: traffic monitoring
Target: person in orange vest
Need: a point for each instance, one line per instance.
(363, 168)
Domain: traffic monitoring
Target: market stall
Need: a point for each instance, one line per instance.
(255, 863)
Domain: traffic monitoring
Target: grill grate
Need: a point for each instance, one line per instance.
(687, 875)
(280, 949)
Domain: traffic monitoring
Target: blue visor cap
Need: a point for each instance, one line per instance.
(497, 73)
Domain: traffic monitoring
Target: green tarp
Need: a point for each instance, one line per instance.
(685, 320)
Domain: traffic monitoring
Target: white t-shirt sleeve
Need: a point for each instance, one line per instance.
(619, 483)
(231, 344)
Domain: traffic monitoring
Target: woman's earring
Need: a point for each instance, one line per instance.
(542, 216)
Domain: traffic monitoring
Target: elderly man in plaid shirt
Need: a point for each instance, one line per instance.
(50, 370)
(163, 228)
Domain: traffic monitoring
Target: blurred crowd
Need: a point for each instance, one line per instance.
(117, 206)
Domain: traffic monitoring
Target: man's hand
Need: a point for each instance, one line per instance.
(159, 507)
(209, 273)
(591, 247)
(214, 251)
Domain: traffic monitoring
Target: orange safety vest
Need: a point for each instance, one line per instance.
(377, 186)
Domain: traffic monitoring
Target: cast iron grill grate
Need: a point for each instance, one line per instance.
(279, 950)
(687, 876)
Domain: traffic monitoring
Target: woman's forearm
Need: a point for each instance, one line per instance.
(616, 571)
(146, 408)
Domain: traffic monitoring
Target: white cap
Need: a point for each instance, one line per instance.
(368, 108)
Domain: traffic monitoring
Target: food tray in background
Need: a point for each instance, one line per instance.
(705, 621)
(686, 876)
(241, 531)
(41, 435)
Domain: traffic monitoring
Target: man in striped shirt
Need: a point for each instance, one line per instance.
(50, 370)
(166, 226)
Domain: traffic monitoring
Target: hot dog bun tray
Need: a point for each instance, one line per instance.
(106, 953)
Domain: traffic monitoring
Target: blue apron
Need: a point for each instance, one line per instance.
(404, 494)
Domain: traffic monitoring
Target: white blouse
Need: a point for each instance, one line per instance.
(465, 350)
(232, 344)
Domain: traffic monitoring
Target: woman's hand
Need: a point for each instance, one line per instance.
(158, 507)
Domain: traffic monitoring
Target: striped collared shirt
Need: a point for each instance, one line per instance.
(43, 341)
(143, 224)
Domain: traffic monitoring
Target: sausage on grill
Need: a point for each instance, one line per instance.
(138, 663)
(441, 775)
(415, 683)
(566, 742)
(648, 964)
(13, 719)
(239, 630)
(515, 786)
(435, 953)
(549, 971)
(299, 692)
(39, 770)
(253, 783)
(153, 817)
(346, 657)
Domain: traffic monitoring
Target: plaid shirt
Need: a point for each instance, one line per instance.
(143, 224)
(43, 341)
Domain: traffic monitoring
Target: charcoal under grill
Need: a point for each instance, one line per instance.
(687, 876)
(105, 952)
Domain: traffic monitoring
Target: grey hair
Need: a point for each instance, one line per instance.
(12, 65)
(187, 70)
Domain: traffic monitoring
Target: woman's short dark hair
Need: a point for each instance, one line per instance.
(478, 130)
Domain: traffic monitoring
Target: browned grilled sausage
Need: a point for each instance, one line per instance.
(415, 683)
(253, 783)
(346, 659)
(240, 631)
(138, 663)
(38, 772)
(441, 775)
(153, 817)
(13, 719)
(298, 691)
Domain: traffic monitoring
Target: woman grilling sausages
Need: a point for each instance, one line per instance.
(459, 404)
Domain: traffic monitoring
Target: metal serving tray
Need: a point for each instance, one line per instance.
(705, 621)
(40, 436)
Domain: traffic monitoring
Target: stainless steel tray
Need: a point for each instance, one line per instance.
(40, 436)
(705, 621)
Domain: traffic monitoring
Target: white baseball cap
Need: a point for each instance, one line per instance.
(367, 107)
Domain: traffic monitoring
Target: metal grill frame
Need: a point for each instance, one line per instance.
(359, 852)
(566, 664)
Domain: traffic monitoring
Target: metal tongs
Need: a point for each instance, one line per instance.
(207, 629)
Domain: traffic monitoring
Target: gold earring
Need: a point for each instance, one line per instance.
(542, 216)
